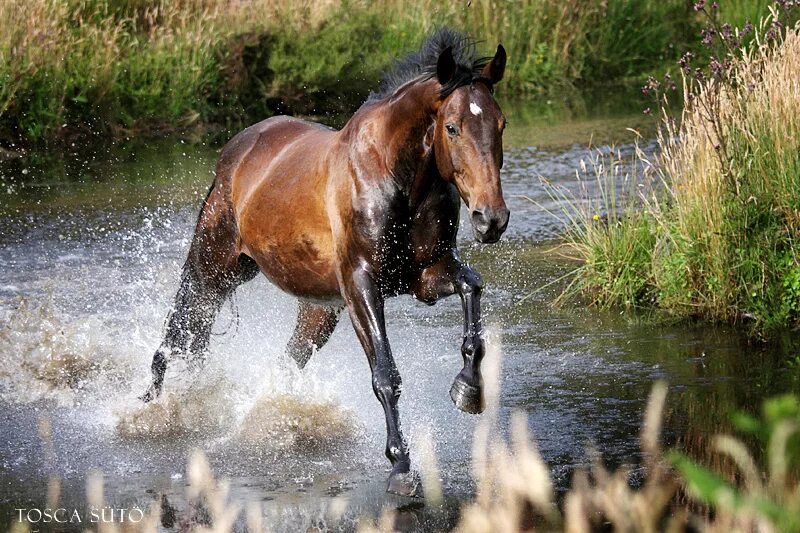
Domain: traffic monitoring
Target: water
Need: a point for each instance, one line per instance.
(90, 251)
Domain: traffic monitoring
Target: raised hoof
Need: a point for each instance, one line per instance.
(467, 398)
(405, 484)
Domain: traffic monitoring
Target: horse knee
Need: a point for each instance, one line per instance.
(387, 385)
(431, 286)
(468, 281)
(428, 297)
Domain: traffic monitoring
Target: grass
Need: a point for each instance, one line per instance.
(717, 237)
(128, 67)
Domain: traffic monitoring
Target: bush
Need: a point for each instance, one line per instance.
(130, 66)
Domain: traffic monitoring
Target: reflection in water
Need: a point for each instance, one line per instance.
(90, 252)
(598, 118)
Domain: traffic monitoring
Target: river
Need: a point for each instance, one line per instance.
(91, 245)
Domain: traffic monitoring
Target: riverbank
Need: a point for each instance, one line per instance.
(76, 69)
(708, 226)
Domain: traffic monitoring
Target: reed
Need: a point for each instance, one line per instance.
(717, 237)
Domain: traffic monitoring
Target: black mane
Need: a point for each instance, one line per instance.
(422, 63)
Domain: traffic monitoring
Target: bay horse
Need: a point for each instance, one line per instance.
(349, 218)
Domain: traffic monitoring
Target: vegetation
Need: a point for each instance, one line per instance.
(748, 488)
(767, 496)
(709, 226)
(133, 66)
(677, 494)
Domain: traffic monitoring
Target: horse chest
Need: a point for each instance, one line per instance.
(406, 245)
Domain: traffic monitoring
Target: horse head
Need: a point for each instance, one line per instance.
(468, 141)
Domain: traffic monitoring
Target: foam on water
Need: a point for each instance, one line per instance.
(48, 355)
(202, 408)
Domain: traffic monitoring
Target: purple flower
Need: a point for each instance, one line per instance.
(698, 74)
(708, 35)
(700, 5)
(669, 82)
(652, 85)
(685, 62)
(774, 30)
(717, 68)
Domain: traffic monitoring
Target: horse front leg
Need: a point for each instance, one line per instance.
(448, 276)
(467, 389)
(365, 304)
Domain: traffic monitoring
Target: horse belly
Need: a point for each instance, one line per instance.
(285, 229)
(302, 265)
(278, 196)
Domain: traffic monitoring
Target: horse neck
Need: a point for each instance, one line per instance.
(403, 120)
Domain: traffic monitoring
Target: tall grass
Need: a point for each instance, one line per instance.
(719, 237)
(76, 64)
(753, 486)
(129, 66)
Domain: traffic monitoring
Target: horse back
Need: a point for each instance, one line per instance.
(280, 152)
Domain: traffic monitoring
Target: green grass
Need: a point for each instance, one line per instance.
(128, 66)
(717, 237)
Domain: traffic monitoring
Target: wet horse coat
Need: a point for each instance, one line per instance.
(345, 219)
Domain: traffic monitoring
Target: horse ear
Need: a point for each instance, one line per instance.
(497, 66)
(445, 66)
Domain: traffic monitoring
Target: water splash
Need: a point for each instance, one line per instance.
(204, 408)
(290, 422)
(50, 355)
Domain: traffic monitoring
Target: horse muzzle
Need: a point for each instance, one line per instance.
(489, 223)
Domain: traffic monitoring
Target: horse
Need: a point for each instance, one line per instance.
(348, 218)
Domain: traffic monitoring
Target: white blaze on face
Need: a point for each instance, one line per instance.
(475, 108)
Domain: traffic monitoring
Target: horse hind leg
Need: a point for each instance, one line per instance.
(212, 271)
(315, 324)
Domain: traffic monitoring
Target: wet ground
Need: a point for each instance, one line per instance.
(90, 251)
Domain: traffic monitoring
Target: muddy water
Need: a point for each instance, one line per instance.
(90, 251)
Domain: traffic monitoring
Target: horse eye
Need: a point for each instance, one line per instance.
(452, 131)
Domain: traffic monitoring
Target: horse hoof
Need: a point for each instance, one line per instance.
(405, 484)
(467, 397)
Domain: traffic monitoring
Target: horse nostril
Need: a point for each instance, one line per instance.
(480, 221)
(502, 218)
